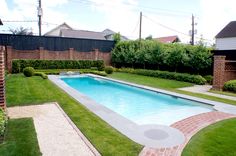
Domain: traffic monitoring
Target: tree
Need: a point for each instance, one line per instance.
(177, 56)
(21, 31)
(148, 37)
(117, 38)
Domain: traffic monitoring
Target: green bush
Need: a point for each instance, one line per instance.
(230, 86)
(209, 79)
(196, 79)
(98, 73)
(109, 69)
(28, 71)
(154, 55)
(19, 65)
(3, 121)
(43, 75)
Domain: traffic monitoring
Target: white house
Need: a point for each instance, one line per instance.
(64, 30)
(226, 38)
(57, 31)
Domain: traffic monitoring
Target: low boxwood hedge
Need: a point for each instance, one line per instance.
(230, 86)
(43, 75)
(19, 65)
(196, 79)
(28, 71)
(3, 121)
(109, 69)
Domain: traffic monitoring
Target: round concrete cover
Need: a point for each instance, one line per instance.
(156, 134)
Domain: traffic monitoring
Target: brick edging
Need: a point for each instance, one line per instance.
(188, 127)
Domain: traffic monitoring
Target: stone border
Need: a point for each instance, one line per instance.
(130, 129)
(138, 133)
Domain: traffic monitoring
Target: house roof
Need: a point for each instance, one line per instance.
(168, 39)
(228, 31)
(108, 32)
(58, 27)
(82, 34)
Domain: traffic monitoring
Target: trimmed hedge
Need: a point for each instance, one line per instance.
(230, 86)
(28, 71)
(3, 121)
(209, 79)
(82, 71)
(43, 75)
(150, 54)
(109, 69)
(196, 79)
(19, 65)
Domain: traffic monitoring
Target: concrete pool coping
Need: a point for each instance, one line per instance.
(147, 135)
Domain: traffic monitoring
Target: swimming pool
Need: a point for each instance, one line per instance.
(136, 104)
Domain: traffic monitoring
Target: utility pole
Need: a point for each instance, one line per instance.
(40, 14)
(140, 27)
(193, 31)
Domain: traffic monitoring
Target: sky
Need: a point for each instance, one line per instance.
(160, 17)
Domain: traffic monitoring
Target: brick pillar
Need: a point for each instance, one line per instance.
(219, 72)
(41, 53)
(2, 78)
(9, 58)
(71, 52)
(96, 53)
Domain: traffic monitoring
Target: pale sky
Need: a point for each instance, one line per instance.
(161, 17)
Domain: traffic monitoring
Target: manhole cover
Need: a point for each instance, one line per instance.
(156, 134)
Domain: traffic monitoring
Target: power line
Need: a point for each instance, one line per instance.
(172, 29)
(135, 28)
(167, 27)
(19, 21)
(157, 11)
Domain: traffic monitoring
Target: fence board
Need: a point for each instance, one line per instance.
(26, 42)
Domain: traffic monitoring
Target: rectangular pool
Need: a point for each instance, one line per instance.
(136, 104)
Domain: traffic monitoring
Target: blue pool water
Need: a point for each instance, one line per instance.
(138, 105)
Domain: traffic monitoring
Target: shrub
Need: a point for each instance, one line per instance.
(154, 55)
(28, 71)
(3, 121)
(209, 79)
(98, 73)
(109, 69)
(196, 79)
(230, 86)
(18, 65)
(43, 75)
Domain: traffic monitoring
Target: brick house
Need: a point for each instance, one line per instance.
(225, 56)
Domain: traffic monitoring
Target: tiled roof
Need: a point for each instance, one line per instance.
(168, 39)
(228, 31)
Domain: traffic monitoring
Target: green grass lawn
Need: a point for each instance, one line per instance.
(150, 81)
(35, 90)
(170, 85)
(20, 139)
(215, 140)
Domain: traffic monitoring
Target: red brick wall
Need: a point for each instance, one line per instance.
(224, 70)
(2, 78)
(43, 54)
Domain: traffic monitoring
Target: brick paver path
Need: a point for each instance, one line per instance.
(189, 127)
(57, 135)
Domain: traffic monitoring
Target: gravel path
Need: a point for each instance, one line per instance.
(57, 135)
(203, 89)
